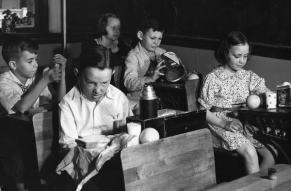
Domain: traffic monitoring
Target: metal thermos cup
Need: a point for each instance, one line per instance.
(148, 103)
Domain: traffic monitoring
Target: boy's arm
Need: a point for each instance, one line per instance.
(132, 80)
(61, 61)
(27, 101)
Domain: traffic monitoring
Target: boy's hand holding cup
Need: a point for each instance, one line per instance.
(57, 70)
(60, 61)
(52, 74)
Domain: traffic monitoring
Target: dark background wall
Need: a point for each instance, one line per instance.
(193, 29)
(263, 21)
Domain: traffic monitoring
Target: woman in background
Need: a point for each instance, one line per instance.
(108, 33)
(223, 88)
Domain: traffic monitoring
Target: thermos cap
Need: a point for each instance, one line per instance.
(148, 92)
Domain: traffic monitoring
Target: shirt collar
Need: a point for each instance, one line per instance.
(25, 86)
(108, 94)
(224, 74)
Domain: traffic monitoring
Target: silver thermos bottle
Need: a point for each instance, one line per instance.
(148, 103)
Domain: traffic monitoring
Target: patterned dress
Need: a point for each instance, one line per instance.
(223, 89)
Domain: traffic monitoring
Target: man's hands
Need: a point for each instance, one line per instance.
(157, 72)
(55, 73)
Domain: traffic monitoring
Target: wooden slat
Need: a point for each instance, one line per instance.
(43, 130)
(182, 162)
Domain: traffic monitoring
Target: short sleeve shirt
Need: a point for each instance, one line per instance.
(11, 91)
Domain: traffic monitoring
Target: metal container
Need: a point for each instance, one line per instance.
(148, 103)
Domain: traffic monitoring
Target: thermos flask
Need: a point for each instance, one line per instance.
(148, 102)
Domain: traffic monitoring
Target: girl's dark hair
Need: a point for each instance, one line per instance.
(95, 56)
(102, 23)
(13, 46)
(149, 23)
(233, 38)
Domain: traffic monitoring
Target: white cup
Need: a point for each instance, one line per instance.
(271, 100)
(134, 129)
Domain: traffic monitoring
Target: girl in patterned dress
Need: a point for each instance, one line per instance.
(229, 85)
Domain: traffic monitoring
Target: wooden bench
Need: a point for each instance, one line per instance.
(181, 162)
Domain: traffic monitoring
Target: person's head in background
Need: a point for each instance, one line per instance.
(20, 54)
(233, 51)
(150, 34)
(95, 72)
(108, 26)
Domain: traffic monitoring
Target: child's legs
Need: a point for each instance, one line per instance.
(249, 154)
(12, 167)
(268, 159)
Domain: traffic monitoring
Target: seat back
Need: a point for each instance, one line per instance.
(43, 125)
(181, 162)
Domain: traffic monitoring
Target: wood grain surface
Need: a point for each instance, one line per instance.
(181, 162)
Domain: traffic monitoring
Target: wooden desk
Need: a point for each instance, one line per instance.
(181, 96)
(272, 122)
(274, 127)
(259, 181)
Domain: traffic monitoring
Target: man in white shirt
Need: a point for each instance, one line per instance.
(93, 105)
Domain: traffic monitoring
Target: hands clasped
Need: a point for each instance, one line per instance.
(55, 73)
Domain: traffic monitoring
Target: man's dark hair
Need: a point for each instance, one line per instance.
(150, 23)
(13, 46)
(95, 56)
(232, 39)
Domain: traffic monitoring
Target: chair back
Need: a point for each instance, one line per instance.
(44, 136)
(181, 162)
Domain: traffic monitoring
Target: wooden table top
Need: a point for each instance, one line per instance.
(259, 181)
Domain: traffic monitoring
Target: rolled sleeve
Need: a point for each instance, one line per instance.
(8, 98)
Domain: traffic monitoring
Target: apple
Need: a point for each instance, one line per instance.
(148, 135)
(253, 101)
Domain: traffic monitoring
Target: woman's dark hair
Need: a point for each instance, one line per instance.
(233, 38)
(150, 23)
(95, 56)
(102, 23)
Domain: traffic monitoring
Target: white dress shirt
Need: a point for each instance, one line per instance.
(80, 117)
